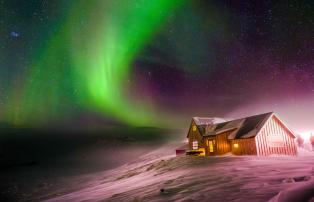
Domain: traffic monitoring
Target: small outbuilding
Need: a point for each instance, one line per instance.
(261, 135)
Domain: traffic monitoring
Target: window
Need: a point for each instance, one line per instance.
(211, 145)
(236, 145)
(195, 144)
(194, 128)
(275, 140)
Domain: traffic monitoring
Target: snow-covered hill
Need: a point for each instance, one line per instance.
(161, 176)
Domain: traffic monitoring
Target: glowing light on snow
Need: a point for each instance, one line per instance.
(306, 135)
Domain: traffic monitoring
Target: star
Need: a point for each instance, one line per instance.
(14, 34)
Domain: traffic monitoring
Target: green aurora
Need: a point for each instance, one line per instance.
(85, 63)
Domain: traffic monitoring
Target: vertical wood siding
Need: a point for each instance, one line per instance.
(274, 128)
(222, 143)
(245, 146)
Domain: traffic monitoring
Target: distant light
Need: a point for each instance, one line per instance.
(236, 145)
(306, 135)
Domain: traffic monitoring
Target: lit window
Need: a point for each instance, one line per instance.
(194, 128)
(236, 145)
(211, 146)
(195, 144)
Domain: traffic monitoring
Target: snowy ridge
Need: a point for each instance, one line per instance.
(160, 176)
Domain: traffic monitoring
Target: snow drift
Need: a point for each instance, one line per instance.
(161, 176)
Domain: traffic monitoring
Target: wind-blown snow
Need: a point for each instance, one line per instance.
(299, 192)
(161, 176)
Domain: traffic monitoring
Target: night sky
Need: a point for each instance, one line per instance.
(155, 63)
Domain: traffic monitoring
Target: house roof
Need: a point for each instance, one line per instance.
(207, 121)
(241, 128)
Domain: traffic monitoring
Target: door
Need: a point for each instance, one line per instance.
(211, 147)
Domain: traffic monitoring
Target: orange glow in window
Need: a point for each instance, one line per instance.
(194, 128)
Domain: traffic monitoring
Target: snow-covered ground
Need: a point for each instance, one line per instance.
(161, 176)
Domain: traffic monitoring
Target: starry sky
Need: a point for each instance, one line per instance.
(156, 63)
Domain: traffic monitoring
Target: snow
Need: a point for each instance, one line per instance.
(300, 192)
(161, 176)
(208, 120)
(305, 152)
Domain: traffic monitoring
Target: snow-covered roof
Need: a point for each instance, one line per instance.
(207, 120)
(241, 128)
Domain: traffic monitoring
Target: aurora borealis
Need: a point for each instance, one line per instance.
(155, 63)
(87, 63)
(97, 97)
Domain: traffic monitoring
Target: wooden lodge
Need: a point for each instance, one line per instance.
(261, 135)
